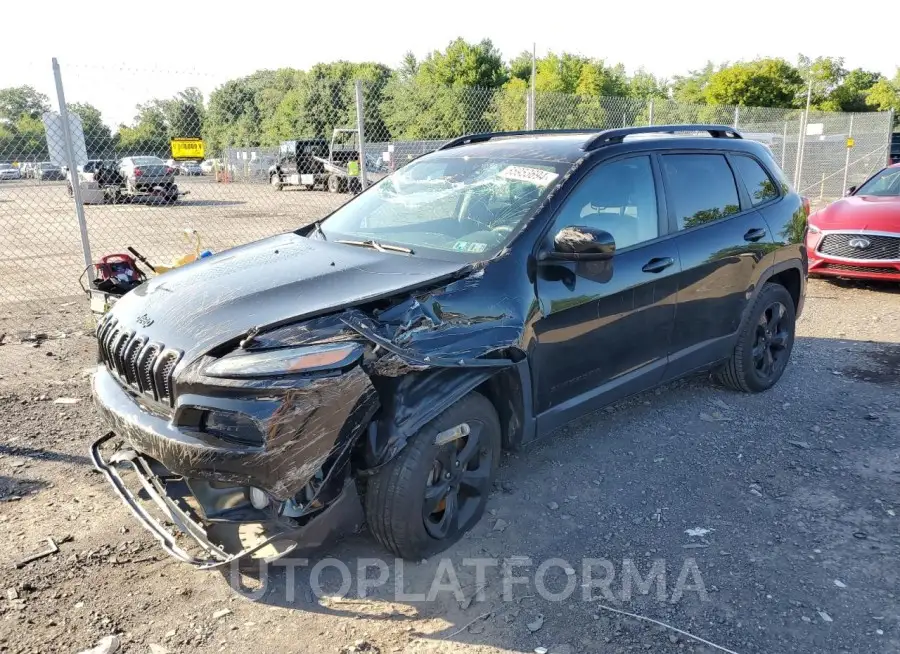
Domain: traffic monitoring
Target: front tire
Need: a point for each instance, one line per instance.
(764, 344)
(427, 497)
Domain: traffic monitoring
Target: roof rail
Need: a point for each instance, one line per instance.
(487, 136)
(611, 136)
(601, 136)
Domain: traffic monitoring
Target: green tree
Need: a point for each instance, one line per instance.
(884, 94)
(464, 64)
(97, 135)
(853, 91)
(691, 88)
(520, 66)
(646, 86)
(447, 94)
(19, 101)
(758, 83)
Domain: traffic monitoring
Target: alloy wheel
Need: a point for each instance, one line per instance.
(770, 348)
(459, 480)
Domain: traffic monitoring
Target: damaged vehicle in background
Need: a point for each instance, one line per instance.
(375, 364)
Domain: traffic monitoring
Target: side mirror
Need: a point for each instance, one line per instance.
(850, 191)
(581, 243)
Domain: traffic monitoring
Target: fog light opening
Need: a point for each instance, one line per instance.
(258, 498)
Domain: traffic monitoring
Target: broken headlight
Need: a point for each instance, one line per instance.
(287, 361)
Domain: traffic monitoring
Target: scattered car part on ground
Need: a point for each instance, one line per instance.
(478, 298)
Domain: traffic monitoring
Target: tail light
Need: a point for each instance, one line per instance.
(138, 172)
(170, 170)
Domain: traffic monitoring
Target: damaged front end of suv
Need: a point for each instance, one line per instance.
(262, 443)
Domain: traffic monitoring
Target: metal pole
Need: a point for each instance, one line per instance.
(73, 171)
(847, 156)
(784, 145)
(361, 129)
(737, 113)
(650, 119)
(533, 105)
(801, 146)
(890, 135)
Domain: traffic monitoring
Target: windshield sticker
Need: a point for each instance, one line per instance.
(465, 246)
(536, 176)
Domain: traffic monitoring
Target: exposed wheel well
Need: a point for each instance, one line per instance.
(505, 392)
(790, 279)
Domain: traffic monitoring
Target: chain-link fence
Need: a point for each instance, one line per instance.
(281, 150)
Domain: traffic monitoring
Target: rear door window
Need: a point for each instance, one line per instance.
(759, 185)
(700, 187)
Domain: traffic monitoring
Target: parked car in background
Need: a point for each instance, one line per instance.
(26, 170)
(478, 298)
(143, 173)
(9, 172)
(189, 168)
(859, 235)
(209, 166)
(47, 171)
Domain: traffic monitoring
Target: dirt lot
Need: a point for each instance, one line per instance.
(40, 246)
(792, 498)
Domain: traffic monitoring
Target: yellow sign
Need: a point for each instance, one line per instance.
(191, 148)
(850, 143)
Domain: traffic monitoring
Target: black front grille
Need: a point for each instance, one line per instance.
(139, 363)
(879, 247)
(861, 269)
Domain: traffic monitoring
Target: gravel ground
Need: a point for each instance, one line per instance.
(781, 506)
(40, 245)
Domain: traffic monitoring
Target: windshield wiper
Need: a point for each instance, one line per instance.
(375, 245)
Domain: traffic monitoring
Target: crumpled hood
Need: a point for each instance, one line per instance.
(868, 212)
(263, 284)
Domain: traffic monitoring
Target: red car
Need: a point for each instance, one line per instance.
(859, 235)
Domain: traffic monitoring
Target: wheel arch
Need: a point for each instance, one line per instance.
(785, 273)
(410, 402)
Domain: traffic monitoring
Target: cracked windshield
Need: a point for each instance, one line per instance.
(448, 207)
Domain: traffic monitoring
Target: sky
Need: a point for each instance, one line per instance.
(116, 57)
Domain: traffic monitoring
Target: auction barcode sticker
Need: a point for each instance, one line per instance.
(536, 176)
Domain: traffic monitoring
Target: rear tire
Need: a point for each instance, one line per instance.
(764, 344)
(427, 497)
(334, 184)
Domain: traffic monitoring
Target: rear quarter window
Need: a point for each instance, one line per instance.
(759, 185)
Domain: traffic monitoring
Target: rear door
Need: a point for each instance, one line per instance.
(724, 244)
(605, 326)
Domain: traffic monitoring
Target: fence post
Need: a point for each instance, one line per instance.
(797, 160)
(361, 128)
(847, 156)
(890, 135)
(737, 113)
(650, 117)
(529, 111)
(531, 103)
(73, 172)
(784, 145)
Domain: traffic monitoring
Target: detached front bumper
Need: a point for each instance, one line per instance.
(202, 486)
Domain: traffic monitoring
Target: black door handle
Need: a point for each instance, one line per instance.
(658, 264)
(755, 234)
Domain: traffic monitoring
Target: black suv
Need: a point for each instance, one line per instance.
(476, 299)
